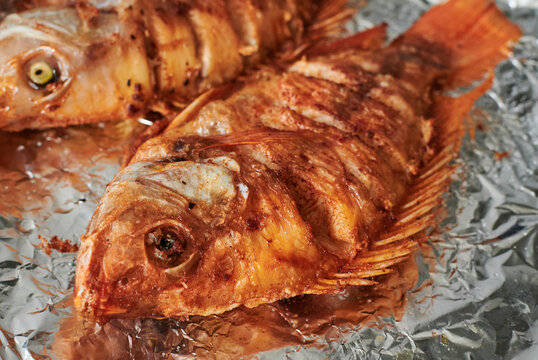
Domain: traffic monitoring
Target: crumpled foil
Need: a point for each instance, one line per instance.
(470, 293)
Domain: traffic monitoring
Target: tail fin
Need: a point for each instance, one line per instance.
(477, 36)
(475, 33)
(420, 209)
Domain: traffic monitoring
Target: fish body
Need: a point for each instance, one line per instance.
(11, 6)
(297, 181)
(71, 65)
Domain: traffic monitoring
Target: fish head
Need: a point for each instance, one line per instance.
(190, 238)
(54, 71)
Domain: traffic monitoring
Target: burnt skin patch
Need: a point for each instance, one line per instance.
(138, 95)
(180, 145)
(173, 159)
(132, 110)
(53, 107)
(97, 51)
(154, 116)
(254, 221)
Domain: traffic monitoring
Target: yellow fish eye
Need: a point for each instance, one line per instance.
(41, 73)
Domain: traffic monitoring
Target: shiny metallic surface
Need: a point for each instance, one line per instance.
(470, 293)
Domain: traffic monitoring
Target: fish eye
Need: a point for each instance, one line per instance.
(165, 246)
(41, 73)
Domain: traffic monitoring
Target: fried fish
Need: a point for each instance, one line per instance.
(63, 66)
(294, 181)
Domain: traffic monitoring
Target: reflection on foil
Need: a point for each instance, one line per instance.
(309, 321)
(50, 182)
(472, 293)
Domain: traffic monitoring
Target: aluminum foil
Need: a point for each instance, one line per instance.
(470, 293)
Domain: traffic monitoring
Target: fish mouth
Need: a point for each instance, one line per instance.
(87, 299)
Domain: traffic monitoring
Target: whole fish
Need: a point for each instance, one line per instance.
(62, 65)
(301, 181)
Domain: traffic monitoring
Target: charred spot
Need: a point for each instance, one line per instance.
(132, 110)
(254, 222)
(154, 116)
(138, 95)
(304, 157)
(438, 85)
(370, 134)
(173, 159)
(182, 8)
(53, 107)
(180, 145)
(133, 37)
(191, 206)
(183, 182)
(186, 82)
(151, 49)
(129, 83)
(96, 51)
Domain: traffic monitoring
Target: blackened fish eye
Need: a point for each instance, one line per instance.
(167, 242)
(165, 246)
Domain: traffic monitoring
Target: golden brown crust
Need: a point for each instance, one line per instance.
(291, 182)
(172, 50)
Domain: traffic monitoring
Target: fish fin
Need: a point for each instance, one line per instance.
(194, 107)
(370, 39)
(173, 118)
(476, 34)
(330, 19)
(327, 24)
(151, 131)
(419, 211)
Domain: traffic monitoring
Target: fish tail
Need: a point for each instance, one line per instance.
(475, 34)
(468, 37)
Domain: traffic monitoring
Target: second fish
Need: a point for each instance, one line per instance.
(67, 66)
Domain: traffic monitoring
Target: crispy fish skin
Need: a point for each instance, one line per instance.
(292, 182)
(115, 64)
